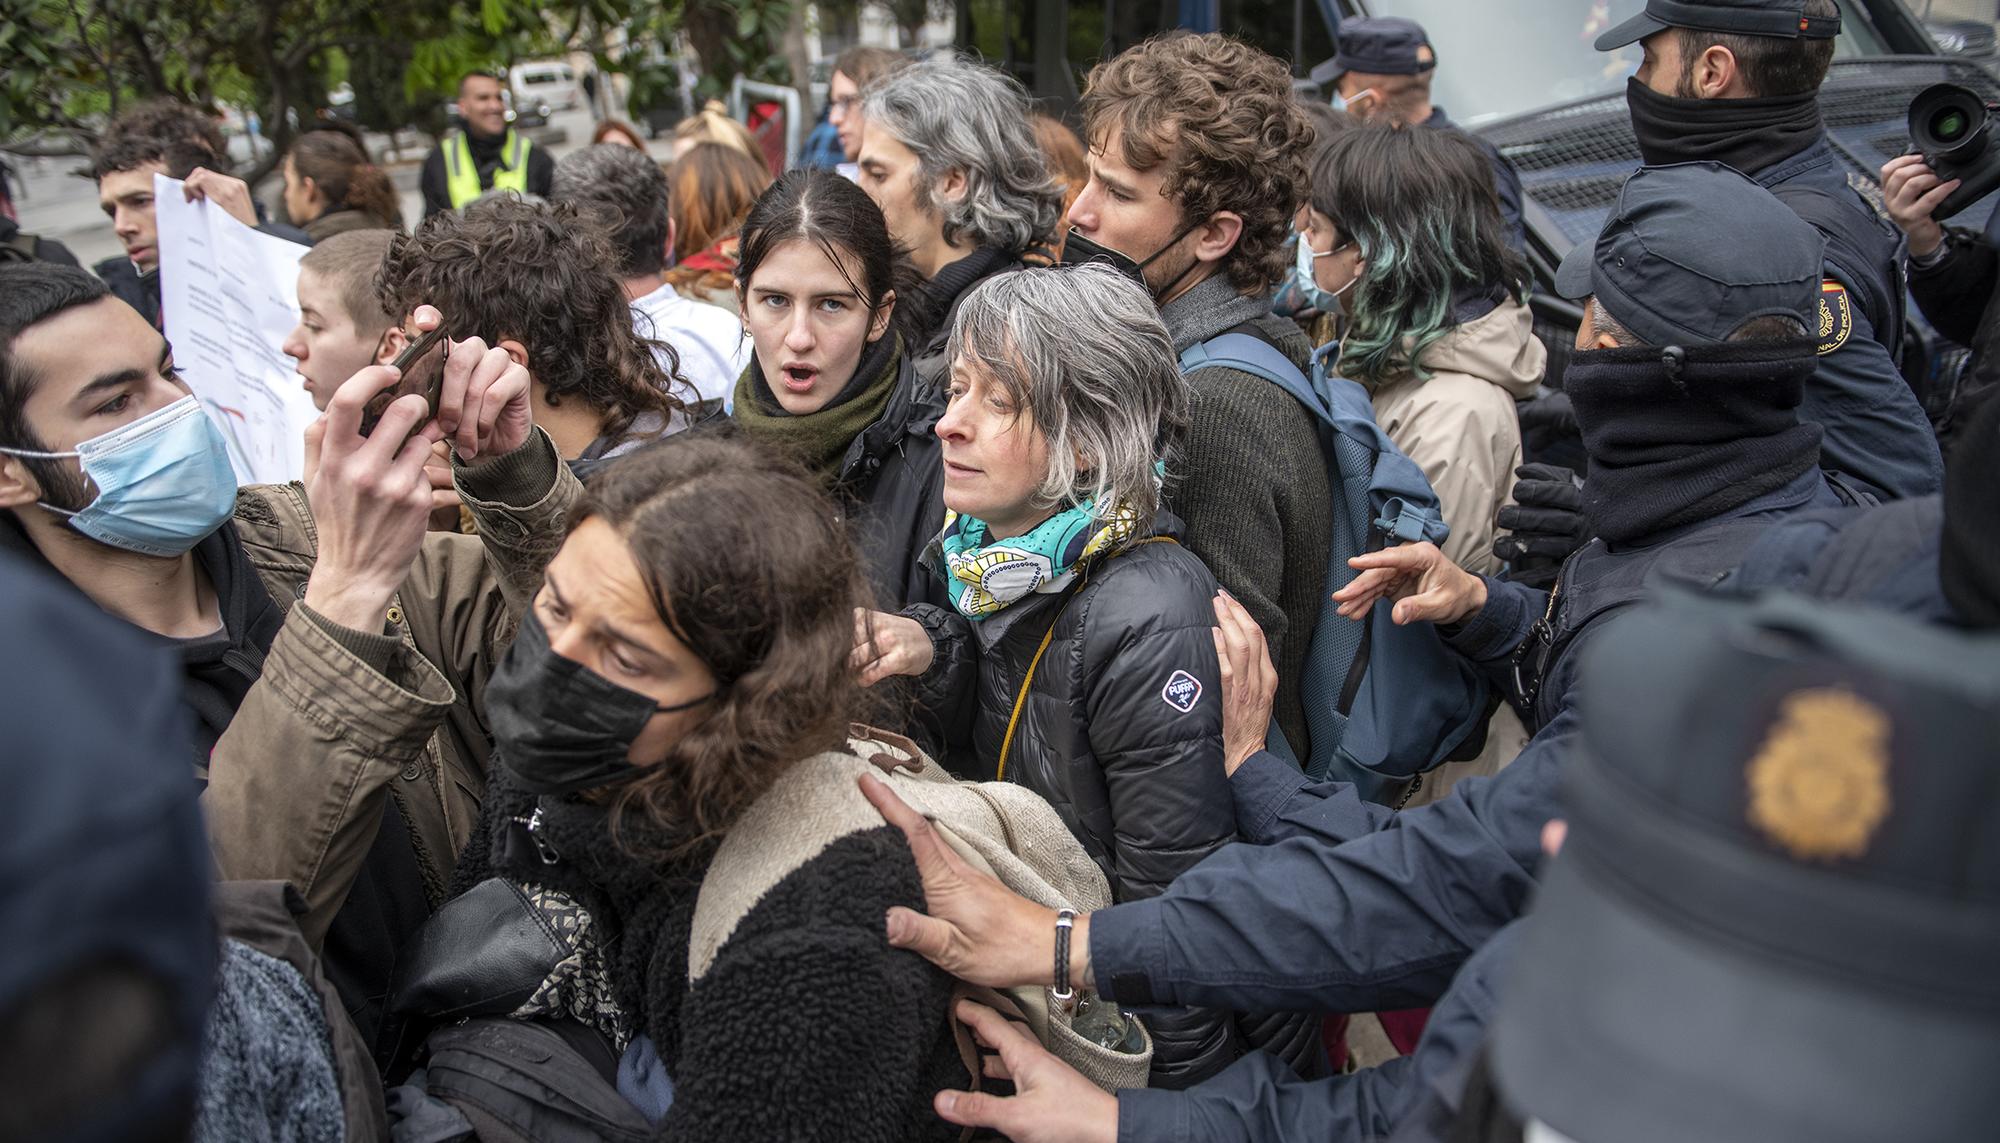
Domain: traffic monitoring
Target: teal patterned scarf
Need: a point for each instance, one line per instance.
(984, 577)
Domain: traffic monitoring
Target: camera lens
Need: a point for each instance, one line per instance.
(1948, 123)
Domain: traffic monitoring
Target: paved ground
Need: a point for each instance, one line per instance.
(56, 203)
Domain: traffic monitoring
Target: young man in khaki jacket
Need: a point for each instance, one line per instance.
(333, 648)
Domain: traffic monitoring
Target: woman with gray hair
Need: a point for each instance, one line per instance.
(949, 154)
(1078, 656)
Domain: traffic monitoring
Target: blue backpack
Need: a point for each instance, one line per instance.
(1383, 703)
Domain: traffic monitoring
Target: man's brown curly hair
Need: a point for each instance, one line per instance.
(546, 276)
(1220, 113)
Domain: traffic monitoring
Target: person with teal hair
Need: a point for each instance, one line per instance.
(1402, 234)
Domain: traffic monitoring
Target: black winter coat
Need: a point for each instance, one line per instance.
(1960, 293)
(892, 477)
(807, 1027)
(1122, 733)
(939, 303)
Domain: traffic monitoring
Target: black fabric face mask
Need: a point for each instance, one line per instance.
(1079, 251)
(560, 727)
(1751, 135)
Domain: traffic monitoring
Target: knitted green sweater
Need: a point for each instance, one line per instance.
(1251, 484)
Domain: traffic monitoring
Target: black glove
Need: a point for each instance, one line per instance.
(1543, 526)
(1548, 429)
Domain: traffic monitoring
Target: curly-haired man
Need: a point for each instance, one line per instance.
(1197, 154)
(540, 281)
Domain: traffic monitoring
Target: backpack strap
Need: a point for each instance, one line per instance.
(1027, 680)
(1248, 353)
(1407, 508)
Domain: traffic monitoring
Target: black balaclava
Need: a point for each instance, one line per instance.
(1676, 436)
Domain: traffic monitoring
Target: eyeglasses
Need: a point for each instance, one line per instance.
(846, 102)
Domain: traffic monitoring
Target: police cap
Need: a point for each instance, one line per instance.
(1776, 915)
(1785, 19)
(1378, 45)
(1691, 251)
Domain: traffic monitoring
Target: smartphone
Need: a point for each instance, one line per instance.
(413, 353)
(410, 358)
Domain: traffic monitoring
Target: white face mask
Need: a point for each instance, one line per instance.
(1357, 104)
(1539, 1132)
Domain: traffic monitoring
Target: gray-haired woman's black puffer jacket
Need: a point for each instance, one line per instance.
(1122, 733)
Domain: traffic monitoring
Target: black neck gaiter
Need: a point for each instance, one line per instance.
(1678, 436)
(1748, 134)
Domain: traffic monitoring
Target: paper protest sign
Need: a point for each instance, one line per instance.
(228, 297)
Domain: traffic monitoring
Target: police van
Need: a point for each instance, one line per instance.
(1555, 106)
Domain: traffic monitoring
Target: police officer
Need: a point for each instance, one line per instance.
(1737, 82)
(1776, 909)
(1686, 382)
(486, 155)
(1382, 69)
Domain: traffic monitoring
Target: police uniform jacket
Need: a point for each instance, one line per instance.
(1344, 905)
(1876, 431)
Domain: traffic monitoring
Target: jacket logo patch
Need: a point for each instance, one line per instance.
(1836, 316)
(1182, 691)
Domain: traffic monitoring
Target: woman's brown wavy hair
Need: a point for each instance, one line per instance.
(339, 167)
(1220, 114)
(749, 565)
(545, 275)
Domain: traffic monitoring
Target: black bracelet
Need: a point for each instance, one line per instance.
(1065, 918)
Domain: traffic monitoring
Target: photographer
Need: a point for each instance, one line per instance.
(1952, 277)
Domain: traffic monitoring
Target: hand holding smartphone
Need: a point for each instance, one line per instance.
(419, 375)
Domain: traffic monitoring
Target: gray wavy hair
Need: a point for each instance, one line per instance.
(1080, 349)
(956, 114)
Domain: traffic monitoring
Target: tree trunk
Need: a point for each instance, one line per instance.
(800, 63)
(709, 27)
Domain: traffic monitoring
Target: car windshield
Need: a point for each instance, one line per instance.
(1493, 63)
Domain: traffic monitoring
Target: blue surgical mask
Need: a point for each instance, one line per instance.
(1326, 302)
(163, 481)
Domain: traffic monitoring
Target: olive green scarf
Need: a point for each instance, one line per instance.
(821, 439)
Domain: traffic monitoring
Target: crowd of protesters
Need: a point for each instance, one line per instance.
(1019, 628)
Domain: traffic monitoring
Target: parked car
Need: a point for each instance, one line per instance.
(549, 82)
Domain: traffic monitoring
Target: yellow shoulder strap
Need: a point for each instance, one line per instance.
(1027, 680)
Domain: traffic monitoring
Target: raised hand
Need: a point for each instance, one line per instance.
(1425, 584)
(1910, 192)
(483, 405)
(370, 498)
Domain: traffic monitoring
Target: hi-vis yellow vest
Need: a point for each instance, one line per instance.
(462, 174)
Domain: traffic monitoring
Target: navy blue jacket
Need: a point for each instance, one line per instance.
(1342, 905)
(1876, 430)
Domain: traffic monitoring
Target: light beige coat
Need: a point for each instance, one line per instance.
(1460, 425)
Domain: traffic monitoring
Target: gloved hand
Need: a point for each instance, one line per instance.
(1548, 429)
(1543, 526)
